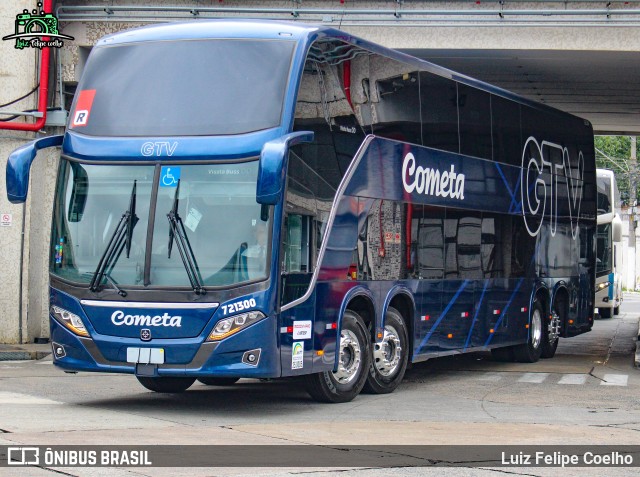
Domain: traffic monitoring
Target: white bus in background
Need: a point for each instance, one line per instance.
(608, 246)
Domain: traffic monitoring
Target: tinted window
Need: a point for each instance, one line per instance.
(462, 232)
(507, 142)
(492, 250)
(522, 248)
(384, 248)
(438, 106)
(183, 88)
(398, 109)
(475, 122)
(427, 230)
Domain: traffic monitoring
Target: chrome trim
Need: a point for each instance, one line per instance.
(334, 207)
(149, 304)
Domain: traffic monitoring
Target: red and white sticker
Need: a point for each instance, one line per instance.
(302, 330)
(83, 107)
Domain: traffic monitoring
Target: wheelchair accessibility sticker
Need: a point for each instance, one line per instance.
(169, 176)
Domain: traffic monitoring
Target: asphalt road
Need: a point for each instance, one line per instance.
(588, 394)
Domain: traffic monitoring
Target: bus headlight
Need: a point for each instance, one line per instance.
(602, 286)
(229, 326)
(69, 320)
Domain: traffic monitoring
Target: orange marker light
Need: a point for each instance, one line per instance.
(380, 335)
(571, 322)
(491, 330)
(526, 326)
(449, 336)
(320, 353)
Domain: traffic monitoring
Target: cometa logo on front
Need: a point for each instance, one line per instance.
(427, 181)
(118, 318)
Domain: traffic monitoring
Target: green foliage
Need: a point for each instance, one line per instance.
(616, 153)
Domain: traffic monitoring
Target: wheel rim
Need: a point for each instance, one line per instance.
(554, 328)
(388, 352)
(350, 357)
(536, 329)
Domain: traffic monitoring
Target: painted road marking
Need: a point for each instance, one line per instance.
(16, 398)
(535, 378)
(573, 379)
(614, 380)
(491, 377)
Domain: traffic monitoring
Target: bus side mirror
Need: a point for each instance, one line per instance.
(616, 232)
(272, 168)
(19, 166)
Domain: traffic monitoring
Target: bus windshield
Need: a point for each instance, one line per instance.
(183, 88)
(214, 206)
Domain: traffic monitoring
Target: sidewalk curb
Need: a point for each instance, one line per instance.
(24, 352)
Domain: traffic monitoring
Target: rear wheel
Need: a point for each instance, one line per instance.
(551, 331)
(165, 384)
(218, 381)
(530, 351)
(354, 357)
(389, 356)
(616, 310)
(604, 312)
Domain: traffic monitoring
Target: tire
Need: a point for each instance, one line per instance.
(551, 331)
(604, 312)
(218, 381)
(616, 310)
(389, 357)
(347, 382)
(166, 385)
(530, 351)
(504, 355)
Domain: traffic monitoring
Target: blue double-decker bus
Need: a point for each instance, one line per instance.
(252, 199)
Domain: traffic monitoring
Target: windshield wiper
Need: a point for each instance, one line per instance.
(177, 232)
(119, 241)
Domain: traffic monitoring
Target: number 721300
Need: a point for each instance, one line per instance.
(238, 306)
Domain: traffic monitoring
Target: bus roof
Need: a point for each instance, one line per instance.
(302, 33)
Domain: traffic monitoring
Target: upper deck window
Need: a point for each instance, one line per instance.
(183, 88)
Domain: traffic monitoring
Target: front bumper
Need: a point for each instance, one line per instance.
(182, 357)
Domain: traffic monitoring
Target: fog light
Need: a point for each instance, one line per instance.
(251, 357)
(58, 350)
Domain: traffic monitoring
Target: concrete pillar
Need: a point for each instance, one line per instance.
(23, 282)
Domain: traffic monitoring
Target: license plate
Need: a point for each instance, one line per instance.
(145, 355)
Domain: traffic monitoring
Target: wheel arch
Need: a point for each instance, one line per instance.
(561, 296)
(361, 301)
(401, 298)
(542, 295)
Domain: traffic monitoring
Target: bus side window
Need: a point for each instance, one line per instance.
(296, 244)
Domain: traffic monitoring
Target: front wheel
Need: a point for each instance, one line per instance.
(530, 351)
(616, 310)
(165, 384)
(354, 350)
(389, 356)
